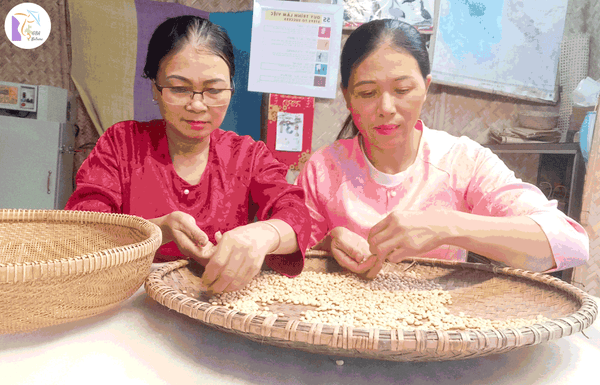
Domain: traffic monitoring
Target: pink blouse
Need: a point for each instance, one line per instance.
(130, 171)
(343, 189)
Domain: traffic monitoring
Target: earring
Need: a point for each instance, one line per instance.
(154, 101)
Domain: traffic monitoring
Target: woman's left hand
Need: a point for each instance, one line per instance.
(238, 257)
(404, 234)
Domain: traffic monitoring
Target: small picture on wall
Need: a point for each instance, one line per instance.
(323, 44)
(320, 81)
(289, 132)
(324, 32)
(418, 13)
(320, 69)
(322, 57)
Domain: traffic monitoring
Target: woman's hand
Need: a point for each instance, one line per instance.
(182, 229)
(238, 257)
(404, 234)
(351, 251)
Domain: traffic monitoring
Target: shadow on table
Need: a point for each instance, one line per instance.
(242, 360)
(56, 332)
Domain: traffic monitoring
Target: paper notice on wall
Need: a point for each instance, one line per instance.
(295, 48)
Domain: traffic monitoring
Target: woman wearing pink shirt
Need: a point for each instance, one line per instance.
(391, 188)
(191, 178)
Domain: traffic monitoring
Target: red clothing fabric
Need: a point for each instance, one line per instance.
(130, 171)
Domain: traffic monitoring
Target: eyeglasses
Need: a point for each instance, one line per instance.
(212, 97)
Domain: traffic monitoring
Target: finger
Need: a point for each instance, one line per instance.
(218, 236)
(233, 272)
(243, 278)
(216, 265)
(207, 251)
(380, 226)
(200, 237)
(377, 265)
(188, 226)
(389, 246)
(350, 247)
(354, 253)
(221, 283)
(350, 263)
(187, 246)
(239, 278)
(400, 254)
(376, 238)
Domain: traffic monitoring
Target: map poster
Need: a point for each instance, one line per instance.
(295, 48)
(509, 47)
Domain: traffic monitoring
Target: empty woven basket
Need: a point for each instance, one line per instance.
(477, 289)
(60, 266)
(539, 120)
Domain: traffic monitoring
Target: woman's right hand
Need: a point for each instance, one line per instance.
(182, 229)
(352, 252)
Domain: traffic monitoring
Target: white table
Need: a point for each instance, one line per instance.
(143, 342)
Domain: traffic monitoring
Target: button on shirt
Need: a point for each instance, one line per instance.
(343, 189)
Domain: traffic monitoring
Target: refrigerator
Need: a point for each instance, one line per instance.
(37, 124)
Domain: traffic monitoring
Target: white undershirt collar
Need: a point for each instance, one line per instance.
(387, 180)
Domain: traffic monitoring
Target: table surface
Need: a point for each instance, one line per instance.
(142, 342)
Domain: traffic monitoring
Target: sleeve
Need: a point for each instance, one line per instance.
(495, 191)
(98, 179)
(308, 180)
(277, 199)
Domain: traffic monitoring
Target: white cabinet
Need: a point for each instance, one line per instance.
(36, 147)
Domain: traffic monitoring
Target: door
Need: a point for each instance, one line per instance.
(28, 163)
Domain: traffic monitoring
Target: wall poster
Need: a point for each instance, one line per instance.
(508, 47)
(295, 48)
(418, 13)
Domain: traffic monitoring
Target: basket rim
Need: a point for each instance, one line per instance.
(493, 340)
(18, 272)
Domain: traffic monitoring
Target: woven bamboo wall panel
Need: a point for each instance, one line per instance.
(44, 65)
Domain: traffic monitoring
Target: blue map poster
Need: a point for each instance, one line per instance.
(509, 47)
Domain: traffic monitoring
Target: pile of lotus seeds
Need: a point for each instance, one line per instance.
(390, 301)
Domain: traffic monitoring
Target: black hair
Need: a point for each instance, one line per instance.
(366, 39)
(175, 32)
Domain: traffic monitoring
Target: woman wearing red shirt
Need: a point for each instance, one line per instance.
(192, 179)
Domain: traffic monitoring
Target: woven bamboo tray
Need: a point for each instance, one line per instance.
(480, 290)
(60, 266)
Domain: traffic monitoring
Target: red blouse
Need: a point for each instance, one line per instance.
(130, 171)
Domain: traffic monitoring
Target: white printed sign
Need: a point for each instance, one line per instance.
(295, 48)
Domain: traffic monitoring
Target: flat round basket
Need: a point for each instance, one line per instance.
(60, 266)
(479, 290)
